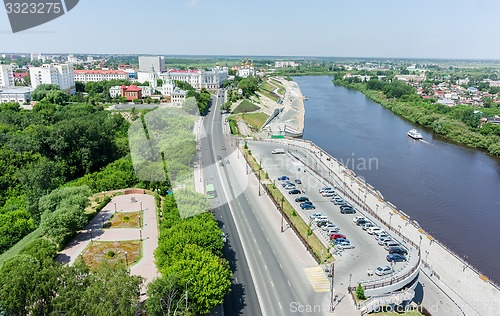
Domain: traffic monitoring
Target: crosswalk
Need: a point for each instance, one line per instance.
(318, 279)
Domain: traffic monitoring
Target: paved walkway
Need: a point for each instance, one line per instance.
(466, 287)
(149, 232)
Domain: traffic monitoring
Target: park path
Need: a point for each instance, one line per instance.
(149, 233)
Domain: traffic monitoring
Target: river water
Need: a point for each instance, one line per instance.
(453, 192)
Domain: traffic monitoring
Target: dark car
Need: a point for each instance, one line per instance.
(339, 240)
(361, 221)
(395, 257)
(219, 157)
(348, 211)
(294, 191)
(397, 250)
(298, 181)
(283, 178)
(308, 207)
(306, 203)
(345, 205)
(322, 223)
(302, 199)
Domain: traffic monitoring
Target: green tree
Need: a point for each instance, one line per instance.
(163, 295)
(42, 90)
(360, 292)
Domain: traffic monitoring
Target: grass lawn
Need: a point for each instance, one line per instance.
(269, 95)
(256, 120)
(276, 83)
(281, 91)
(267, 86)
(14, 250)
(245, 106)
(124, 220)
(97, 252)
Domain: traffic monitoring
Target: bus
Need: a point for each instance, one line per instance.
(211, 193)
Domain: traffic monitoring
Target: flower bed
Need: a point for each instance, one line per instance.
(112, 252)
(124, 220)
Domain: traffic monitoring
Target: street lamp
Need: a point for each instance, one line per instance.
(390, 219)
(115, 205)
(126, 257)
(282, 200)
(260, 167)
(419, 244)
(141, 205)
(91, 234)
(187, 292)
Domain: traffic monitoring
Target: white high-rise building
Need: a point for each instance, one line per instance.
(146, 62)
(61, 75)
(6, 76)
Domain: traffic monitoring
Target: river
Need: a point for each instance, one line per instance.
(453, 192)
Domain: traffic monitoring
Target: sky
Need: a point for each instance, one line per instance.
(444, 29)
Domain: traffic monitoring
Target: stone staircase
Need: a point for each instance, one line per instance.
(395, 298)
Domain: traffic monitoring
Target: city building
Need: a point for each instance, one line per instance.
(100, 75)
(178, 97)
(6, 76)
(246, 69)
(146, 62)
(61, 75)
(131, 92)
(282, 64)
(72, 59)
(20, 95)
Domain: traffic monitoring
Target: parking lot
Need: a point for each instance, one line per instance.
(366, 255)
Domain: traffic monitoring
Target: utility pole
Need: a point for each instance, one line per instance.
(282, 210)
(332, 273)
(260, 167)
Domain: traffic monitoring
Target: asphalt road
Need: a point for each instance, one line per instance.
(267, 277)
(367, 254)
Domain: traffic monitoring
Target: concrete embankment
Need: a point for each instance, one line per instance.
(473, 292)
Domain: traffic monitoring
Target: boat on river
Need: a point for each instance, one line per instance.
(413, 133)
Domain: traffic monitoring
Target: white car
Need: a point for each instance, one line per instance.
(383, 240)
(325, 189)
(328, 193)
(355, 219)
(332, 231)
(380, 235)
(313, 216)
(383, 270)
(390, 243)
(329, 226)
(345, 245)
(367, 225)
(290, 186)
(320, 218)
(374, 230)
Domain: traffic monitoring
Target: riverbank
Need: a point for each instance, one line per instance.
(451, 129)
(473, 292)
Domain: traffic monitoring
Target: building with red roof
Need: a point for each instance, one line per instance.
(131, 92)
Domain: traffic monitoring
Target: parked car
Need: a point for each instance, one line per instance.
(331, 231)
(285, 183)
(356, 218)
(381, 234)
(307, 203)
(395, 257)
(398, 249)
(325, 189)
(383, 240)
(337, 200)
(308, 207)
(302, 199)
(383, 270)
(348, 211)
(283, 178)
(337, 236)
(345, 245)
(339, 240)
(223, 147)
(294, 192)
(374, 230)
(321, 219)
(313, 216)
(328, 193)
(297, 181)
(329, 226)
(390, 243)
(219, 157)
(367, 225)
(290, 186)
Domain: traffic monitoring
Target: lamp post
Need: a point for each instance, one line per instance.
(141, 205)
(187, 292)
(126, 257)
(140, 228)
(260, 167)
(419, 244)
(115, 205)
(91, 234)
(390, 219)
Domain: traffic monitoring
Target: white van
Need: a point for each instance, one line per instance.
(278, 151)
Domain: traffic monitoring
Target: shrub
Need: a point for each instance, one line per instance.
(360, 292)
(111, 254)
(101, 205)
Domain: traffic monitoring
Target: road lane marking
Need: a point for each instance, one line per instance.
(318, 279)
